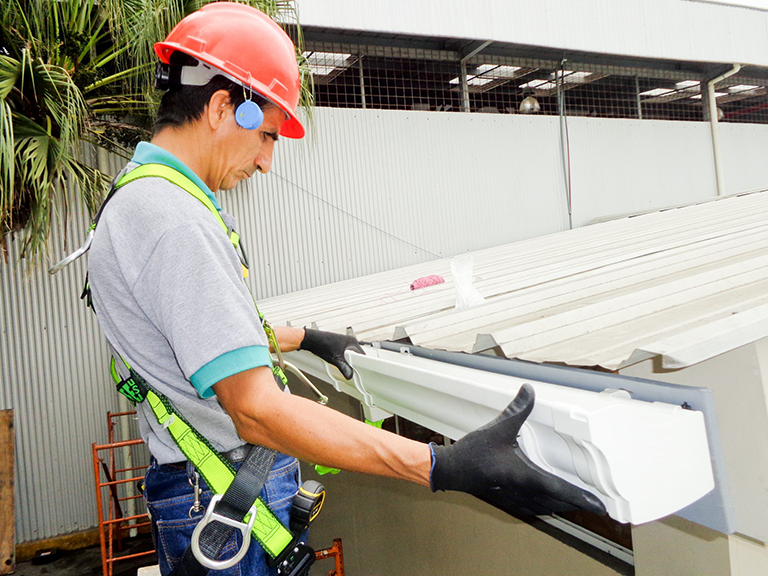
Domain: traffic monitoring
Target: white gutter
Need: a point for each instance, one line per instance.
(714, 124)
(644, 460)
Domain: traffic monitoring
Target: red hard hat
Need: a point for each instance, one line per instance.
(246, 44)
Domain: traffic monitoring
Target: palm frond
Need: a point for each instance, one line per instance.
(8, 172)
(129, 74)
(10, 70)
(81, 71)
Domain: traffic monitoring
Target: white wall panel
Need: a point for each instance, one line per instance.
(743, 148)
(670, 29)
(625, 166)
(367, 191)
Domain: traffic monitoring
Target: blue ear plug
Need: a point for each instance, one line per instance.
(249, 115)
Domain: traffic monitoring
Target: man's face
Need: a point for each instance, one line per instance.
(245, 152)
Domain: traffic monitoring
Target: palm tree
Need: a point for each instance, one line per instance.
(75, 72)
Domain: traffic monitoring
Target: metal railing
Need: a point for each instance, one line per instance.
(115, 481)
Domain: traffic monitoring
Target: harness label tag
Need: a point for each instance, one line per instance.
(131, 390)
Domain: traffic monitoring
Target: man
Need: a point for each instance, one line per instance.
(167, 286)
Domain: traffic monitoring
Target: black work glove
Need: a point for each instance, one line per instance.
(330, 347)
(489, 464)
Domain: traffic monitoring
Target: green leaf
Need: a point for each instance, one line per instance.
(10, 71)
(8, 172)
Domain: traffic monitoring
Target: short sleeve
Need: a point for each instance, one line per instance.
(191, 288)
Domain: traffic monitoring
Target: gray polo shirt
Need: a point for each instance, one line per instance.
(169, 295)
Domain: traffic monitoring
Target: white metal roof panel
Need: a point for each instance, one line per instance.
(685, 284)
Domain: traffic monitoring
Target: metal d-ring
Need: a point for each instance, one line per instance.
(212, 516)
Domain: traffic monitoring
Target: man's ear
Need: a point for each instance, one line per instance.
(219, 109)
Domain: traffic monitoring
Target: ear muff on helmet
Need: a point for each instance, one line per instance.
(167, 76)
(249, 115)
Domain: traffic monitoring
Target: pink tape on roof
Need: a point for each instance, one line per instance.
(425, 281)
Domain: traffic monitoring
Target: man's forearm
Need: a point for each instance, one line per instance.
(302, 428)
(488, 462)
(289, 339)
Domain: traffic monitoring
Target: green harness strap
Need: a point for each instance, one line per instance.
(216, 470)
(175, 177)
(213, 467)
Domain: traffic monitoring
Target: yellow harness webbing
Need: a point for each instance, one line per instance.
(213, 467)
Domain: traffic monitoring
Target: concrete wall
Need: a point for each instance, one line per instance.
(674, 546)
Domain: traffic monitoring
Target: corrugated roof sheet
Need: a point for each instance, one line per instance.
(685, 284)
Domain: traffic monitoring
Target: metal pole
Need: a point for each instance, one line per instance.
(337, 551)
(464, 85)
(97, 478)
(125, 434)
(362, 79)
(339, 560)
(637, 95)
(559, 83)
(714, 126)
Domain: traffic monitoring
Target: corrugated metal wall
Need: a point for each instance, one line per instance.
(373, 190)
(52, 368)
(668, 29)
(369, 191)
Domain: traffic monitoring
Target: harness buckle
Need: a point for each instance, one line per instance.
(212, 516)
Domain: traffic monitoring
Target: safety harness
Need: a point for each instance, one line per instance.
(236, 504)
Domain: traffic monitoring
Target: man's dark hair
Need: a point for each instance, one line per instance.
(182, 104)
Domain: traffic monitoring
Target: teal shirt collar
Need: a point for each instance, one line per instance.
(147, 153)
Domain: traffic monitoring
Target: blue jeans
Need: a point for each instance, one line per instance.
(170, 496)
